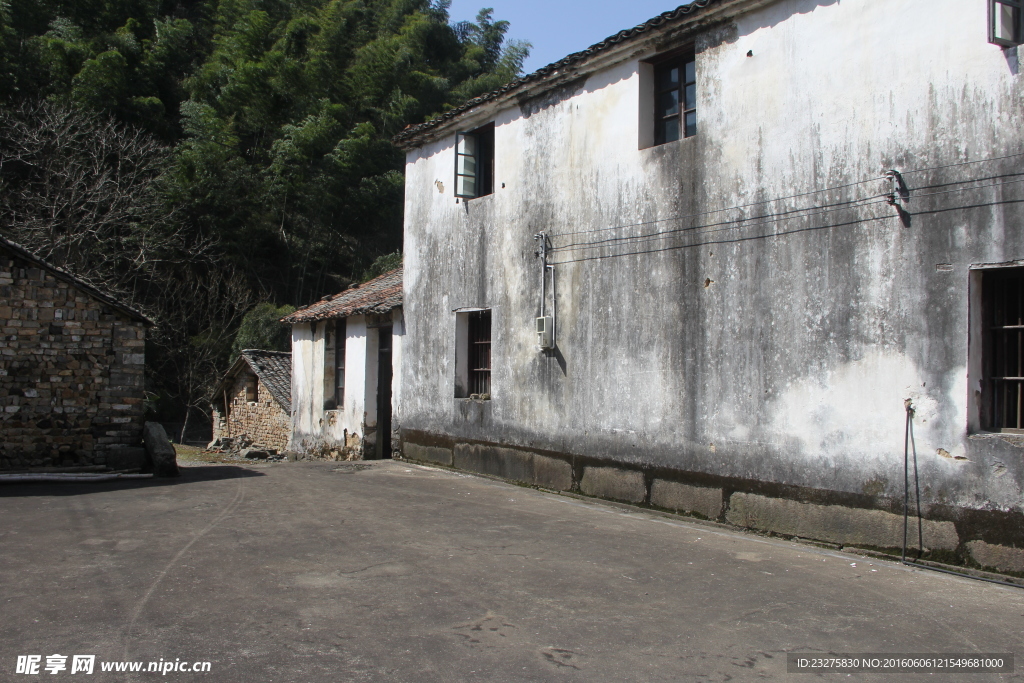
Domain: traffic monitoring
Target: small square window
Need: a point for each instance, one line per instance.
(1005, 22)
(675, 99)
(474, 162)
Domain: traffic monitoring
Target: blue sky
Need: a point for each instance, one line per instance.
(557, 28)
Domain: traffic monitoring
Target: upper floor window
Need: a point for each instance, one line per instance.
(474, 162)
(675, 99)
(1005, 22)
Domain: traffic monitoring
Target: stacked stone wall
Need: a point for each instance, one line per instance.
(71, 373)
(263, 421)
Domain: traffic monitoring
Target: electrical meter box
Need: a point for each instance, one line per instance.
(544, 332)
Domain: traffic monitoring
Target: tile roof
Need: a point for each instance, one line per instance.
(379, 295)
(23, 253)
(274, 370)
(408, 137)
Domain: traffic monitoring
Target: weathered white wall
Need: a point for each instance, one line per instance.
(345, 431)
(783, 358)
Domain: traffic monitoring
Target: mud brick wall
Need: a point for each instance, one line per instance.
(71, 373)
(263, 421)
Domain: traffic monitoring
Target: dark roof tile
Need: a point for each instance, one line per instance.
(379, 295)
(408, 137)
(274, 370)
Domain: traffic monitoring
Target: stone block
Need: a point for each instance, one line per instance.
(161, 451)
(441, 456)
(614, 483)
(1000, 557)
(506, 463)
(834, 523)
(672, 495)
(552, 473)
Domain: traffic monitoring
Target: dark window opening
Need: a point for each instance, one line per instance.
(480, 352)
(1003, 354)
(675, 99)
(339, 363)
(474, 162)
(1005, 22)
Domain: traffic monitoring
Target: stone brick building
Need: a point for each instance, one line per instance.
(71, 369)
(253, 401)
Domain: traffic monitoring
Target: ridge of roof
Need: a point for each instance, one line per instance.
(379, 295)
(76, 281)
(407, 137)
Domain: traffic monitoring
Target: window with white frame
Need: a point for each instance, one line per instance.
(1005, 22)
(474, 162)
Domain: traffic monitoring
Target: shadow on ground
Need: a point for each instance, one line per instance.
(189, 475)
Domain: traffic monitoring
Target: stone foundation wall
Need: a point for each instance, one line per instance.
(985, 539)
(263, 421)
(71, 374)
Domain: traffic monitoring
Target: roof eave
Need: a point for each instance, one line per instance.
(572, 67)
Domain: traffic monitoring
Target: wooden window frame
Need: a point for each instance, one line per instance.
(482, 157)
(1017, 8)
(1002, 311)
(686, 63)
(340, 336)
(479, 330)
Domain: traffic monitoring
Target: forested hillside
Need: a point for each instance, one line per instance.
(199, 157)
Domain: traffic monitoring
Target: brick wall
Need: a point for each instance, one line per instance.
(263, 421)
(71, 373)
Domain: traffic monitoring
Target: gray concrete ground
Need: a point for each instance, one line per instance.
(394, 572)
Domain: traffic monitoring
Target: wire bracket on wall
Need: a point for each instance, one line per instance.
(898, 195)
(545, 322)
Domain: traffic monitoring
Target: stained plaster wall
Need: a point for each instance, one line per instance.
(348, 431)
(768, 355)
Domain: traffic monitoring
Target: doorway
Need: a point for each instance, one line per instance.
(384, 375)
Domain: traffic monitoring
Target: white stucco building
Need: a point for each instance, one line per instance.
(751, 230)
(345, 391)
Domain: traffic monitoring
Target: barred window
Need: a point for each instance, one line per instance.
(480, 352)
(1003, 349)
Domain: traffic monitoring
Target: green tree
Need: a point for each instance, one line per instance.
(262, 328)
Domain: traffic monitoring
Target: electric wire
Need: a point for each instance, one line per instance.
(730, 208)
(722, 241)
(907, 440)
(962, 163)
(804, 213)
(779, 199)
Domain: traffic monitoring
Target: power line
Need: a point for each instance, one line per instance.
(731, 208)
(806, 211)
(777, 199)
(748, 238)
(734, 240)
(962, 163)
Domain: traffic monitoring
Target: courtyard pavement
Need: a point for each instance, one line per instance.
(393, 572)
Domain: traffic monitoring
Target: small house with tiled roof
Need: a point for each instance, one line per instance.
(71, 369)
(252, 404)
(345, 388)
